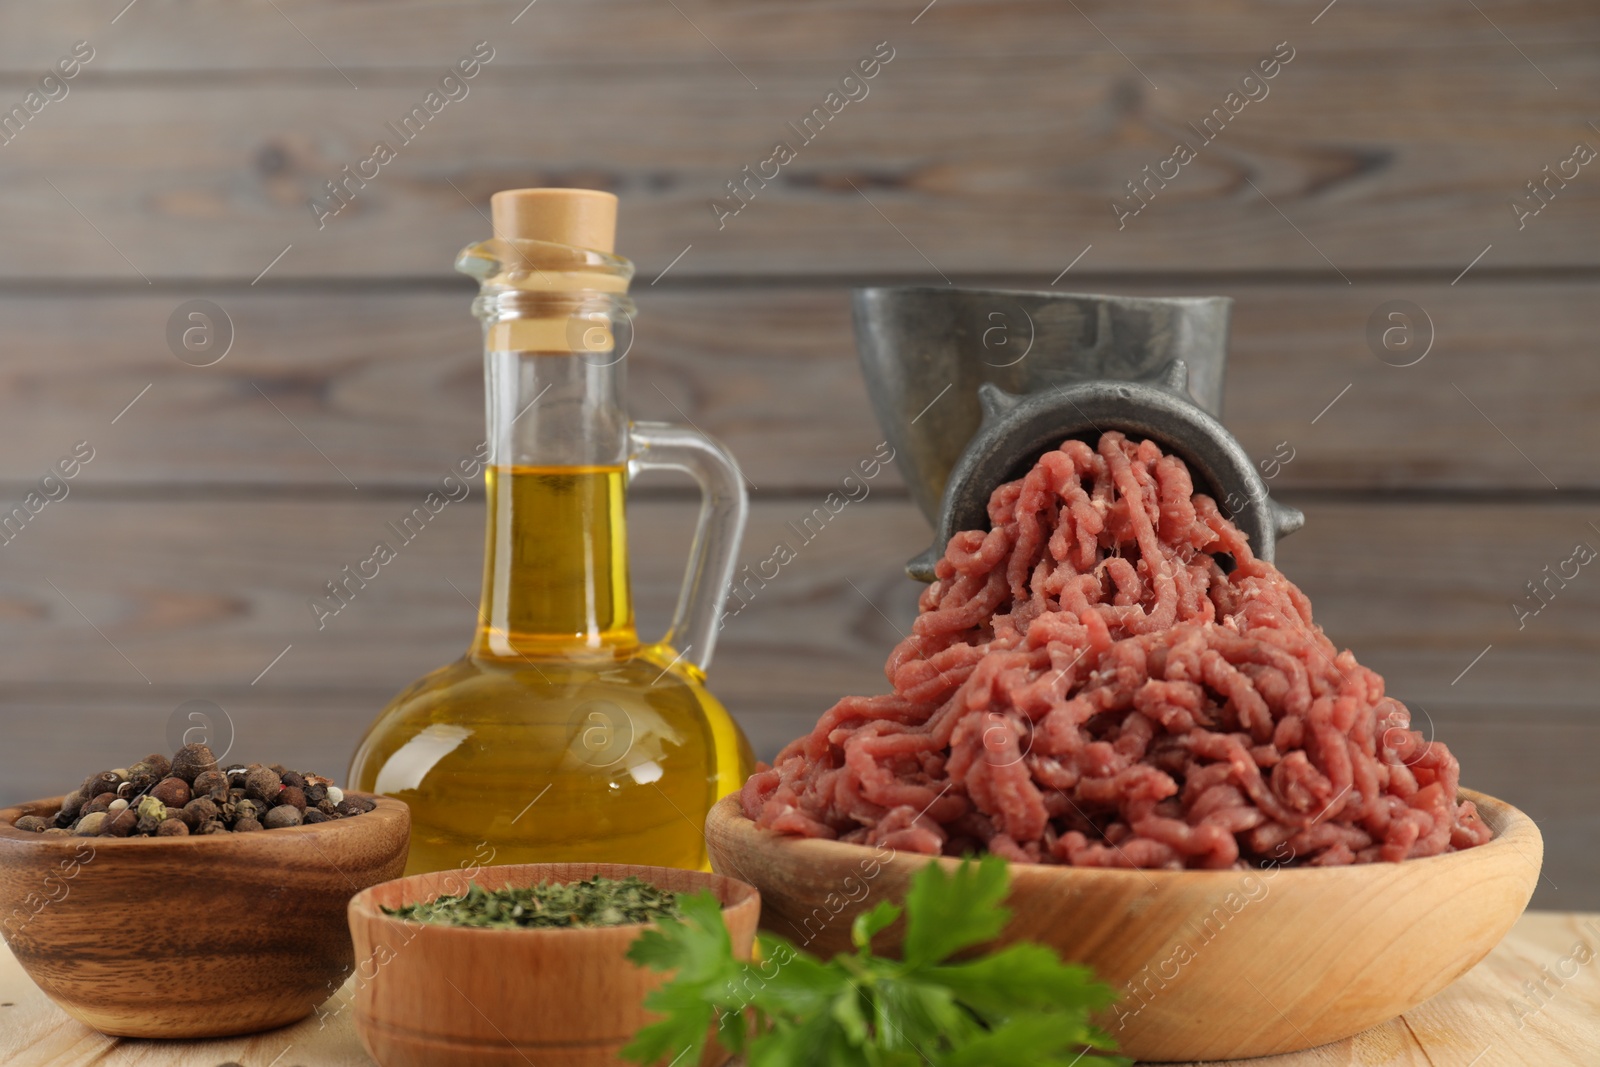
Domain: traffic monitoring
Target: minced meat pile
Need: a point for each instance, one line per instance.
(1109, 677)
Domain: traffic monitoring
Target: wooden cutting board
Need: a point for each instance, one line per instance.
(1492, 1017)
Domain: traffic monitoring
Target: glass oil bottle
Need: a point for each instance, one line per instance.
(560, 735)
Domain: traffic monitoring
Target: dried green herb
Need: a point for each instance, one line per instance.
(597, 901)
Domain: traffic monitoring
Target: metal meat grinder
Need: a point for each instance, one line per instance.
(972, 386)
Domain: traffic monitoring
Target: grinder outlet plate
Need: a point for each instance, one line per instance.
(1017, 430)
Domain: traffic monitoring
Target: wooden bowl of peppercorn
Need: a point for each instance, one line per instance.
(119, 931)
(430, 995)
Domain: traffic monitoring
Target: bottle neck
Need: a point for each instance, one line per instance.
(555, 578)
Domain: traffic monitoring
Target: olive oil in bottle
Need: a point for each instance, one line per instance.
(560, 736)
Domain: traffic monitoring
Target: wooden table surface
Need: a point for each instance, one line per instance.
(1487, 1019)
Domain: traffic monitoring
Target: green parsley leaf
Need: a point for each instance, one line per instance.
(947, 913)
(1038, 1039)
(687, 1018)
(788, 983)
(817, 1040)
(848, 1014)
(700, 950)
(917, 1015)
(870, 923)
(1018, 977)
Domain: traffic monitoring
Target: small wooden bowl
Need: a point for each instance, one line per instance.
(429, 995)
(138, 937)
(1209, 964)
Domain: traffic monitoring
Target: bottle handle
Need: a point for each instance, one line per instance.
(714, 555)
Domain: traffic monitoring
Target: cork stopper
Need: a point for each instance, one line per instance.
(580, 218)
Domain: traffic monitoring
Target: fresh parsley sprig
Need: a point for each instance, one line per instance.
(1020, 1005)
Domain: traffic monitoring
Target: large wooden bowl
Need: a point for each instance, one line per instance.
(429, 995)
(205, 936)
(1209, 964)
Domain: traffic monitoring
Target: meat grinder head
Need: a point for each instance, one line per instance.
(973, 385)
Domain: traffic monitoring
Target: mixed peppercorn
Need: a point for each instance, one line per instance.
(191, 794)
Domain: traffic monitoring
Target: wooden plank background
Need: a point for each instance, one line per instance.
(1381, 166)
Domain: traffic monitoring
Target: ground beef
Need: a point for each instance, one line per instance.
(1109, 677)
